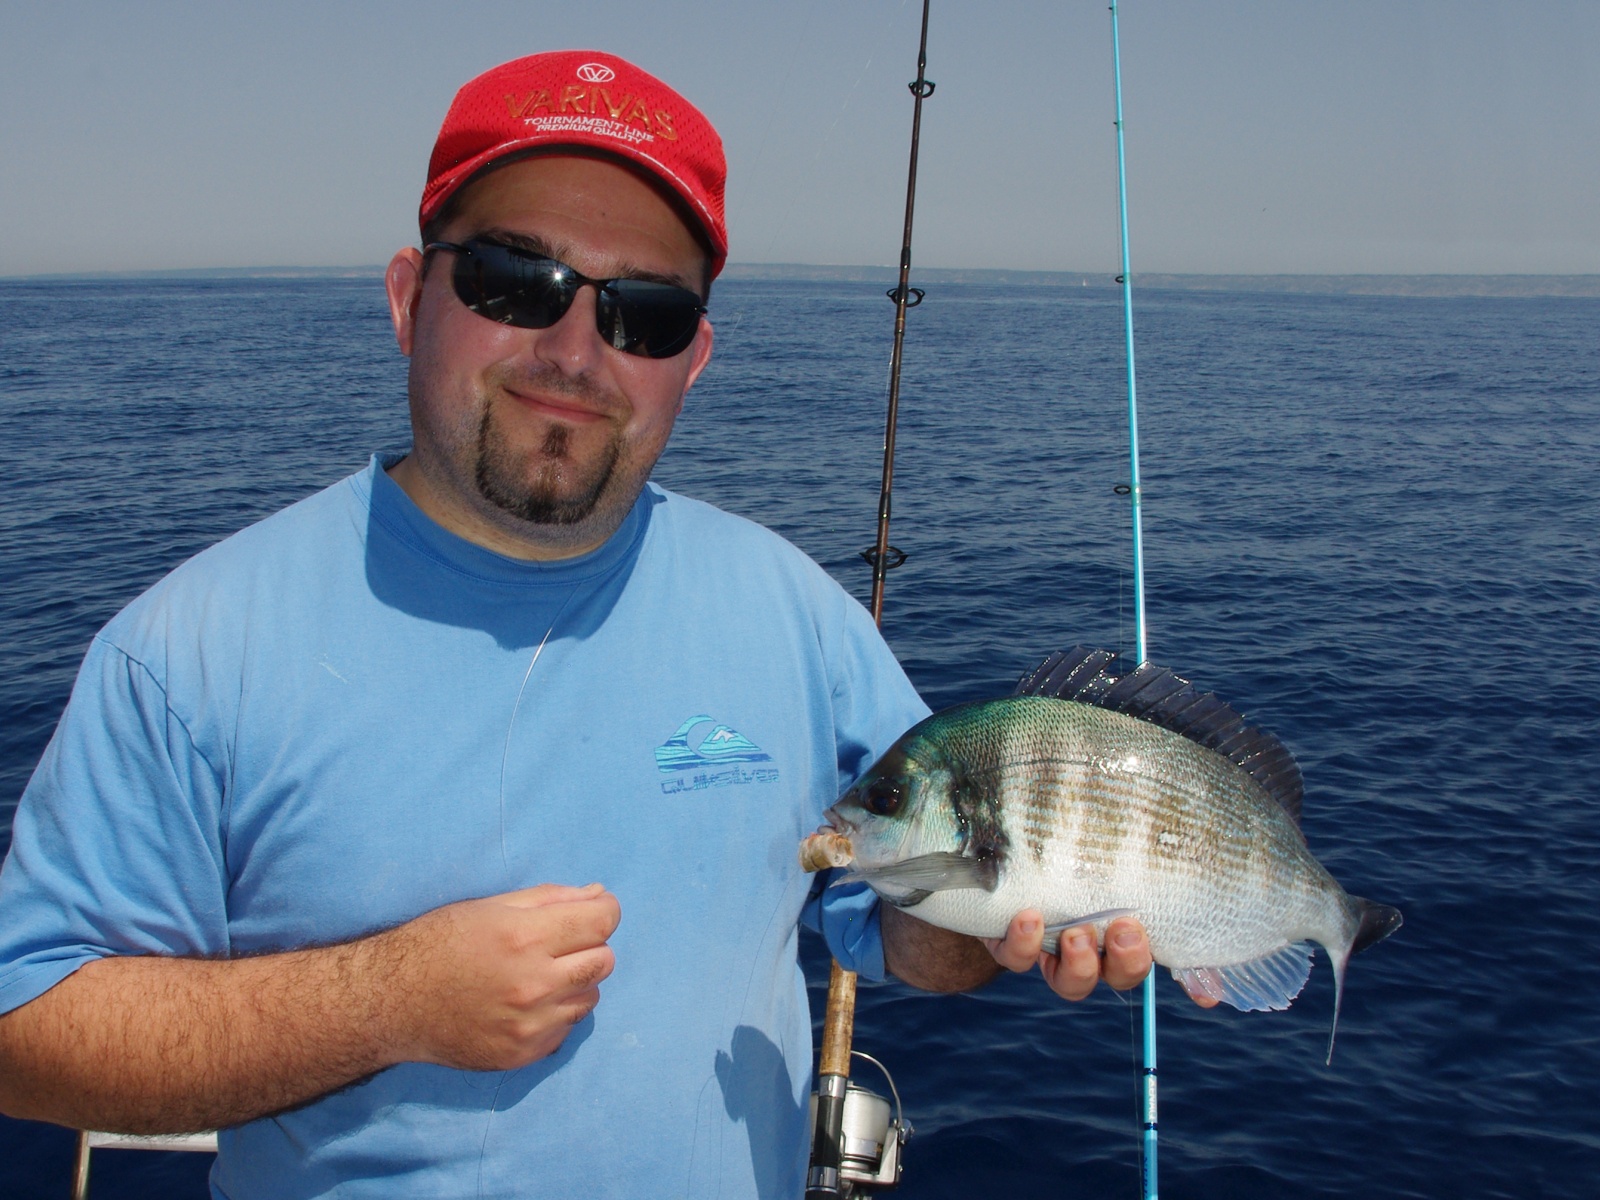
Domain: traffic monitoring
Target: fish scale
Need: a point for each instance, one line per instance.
(1083, 812)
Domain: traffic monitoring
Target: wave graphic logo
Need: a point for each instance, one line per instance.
(693, 746)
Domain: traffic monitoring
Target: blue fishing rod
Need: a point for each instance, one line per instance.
(1147, 1077)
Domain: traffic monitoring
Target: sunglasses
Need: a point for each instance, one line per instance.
(531, 291)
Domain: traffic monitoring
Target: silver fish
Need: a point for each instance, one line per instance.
(1089, 795)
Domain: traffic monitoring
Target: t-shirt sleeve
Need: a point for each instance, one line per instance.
(873, 704)
(117, 845)
(846, 914)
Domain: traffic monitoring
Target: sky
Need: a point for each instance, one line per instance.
(1358, 137)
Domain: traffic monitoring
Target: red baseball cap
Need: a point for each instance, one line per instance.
(582, 98)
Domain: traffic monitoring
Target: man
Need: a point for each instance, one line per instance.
(334, 843)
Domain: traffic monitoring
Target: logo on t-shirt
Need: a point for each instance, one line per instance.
(706, 754)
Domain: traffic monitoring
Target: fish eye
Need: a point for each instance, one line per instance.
(883, 798)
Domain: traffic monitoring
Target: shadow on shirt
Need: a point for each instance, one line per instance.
(420, 568)
(756, 1090)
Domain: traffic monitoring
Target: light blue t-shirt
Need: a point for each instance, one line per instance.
(345, 716)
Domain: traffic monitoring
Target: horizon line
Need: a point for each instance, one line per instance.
(1416, 283)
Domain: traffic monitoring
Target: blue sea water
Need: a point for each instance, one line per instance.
(1371, 524)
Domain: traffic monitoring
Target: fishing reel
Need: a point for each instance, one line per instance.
(868, 1143)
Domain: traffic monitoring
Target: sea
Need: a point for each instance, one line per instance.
(1372, 524)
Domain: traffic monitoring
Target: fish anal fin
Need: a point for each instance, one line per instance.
(1266, 984)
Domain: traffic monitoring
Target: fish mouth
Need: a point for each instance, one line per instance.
(833, 821)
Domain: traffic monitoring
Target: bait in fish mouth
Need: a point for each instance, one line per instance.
(1090, 794)
(823, 849)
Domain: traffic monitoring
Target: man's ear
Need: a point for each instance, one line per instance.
(699, 356)
(403, 283)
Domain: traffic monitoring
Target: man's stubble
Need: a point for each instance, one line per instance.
(555, 490)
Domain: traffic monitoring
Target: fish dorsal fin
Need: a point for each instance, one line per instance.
(1155, 694)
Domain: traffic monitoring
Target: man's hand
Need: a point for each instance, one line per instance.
(937, 960)
(148, 1044)
(495, 984)
(1079, 964)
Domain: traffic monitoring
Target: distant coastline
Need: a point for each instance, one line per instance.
(1340, 285)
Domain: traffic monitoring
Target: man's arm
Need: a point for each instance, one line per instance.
(162, 1045)
(937, 960)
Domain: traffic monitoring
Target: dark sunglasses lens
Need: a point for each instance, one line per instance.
(515, 289)
(656, 320)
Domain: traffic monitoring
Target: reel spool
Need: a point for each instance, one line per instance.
(870, 1141)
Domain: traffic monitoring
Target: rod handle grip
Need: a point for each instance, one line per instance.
(838, 1027)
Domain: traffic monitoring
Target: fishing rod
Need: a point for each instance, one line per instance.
(884, 557)
(1147, 1078)
(835, 1171)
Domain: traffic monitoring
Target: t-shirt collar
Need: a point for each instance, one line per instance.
(398, 513)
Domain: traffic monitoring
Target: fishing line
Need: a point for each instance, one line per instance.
(822, 144)
(1134, 1012)
(505, 753)
(1122, 631)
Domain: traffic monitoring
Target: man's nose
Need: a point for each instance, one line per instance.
(573, 345)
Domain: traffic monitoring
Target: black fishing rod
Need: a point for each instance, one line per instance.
(838, 1166)
(884, 557)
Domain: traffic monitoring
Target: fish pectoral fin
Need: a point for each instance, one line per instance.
(889, 893)
(1268, 983)
(938, 872)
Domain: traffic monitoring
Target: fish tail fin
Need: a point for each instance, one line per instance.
(1376, 922)
(1338, 960)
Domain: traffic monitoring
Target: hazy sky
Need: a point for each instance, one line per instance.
(1357, 136)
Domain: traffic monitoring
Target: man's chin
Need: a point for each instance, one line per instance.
(547, 487)
(544, 507)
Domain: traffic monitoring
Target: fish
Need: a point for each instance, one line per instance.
(1095, 791)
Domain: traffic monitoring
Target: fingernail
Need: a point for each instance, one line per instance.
(1078, 942)
(1125, 939)
(1028, 925)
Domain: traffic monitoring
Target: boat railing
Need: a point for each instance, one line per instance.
(89, 1141)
